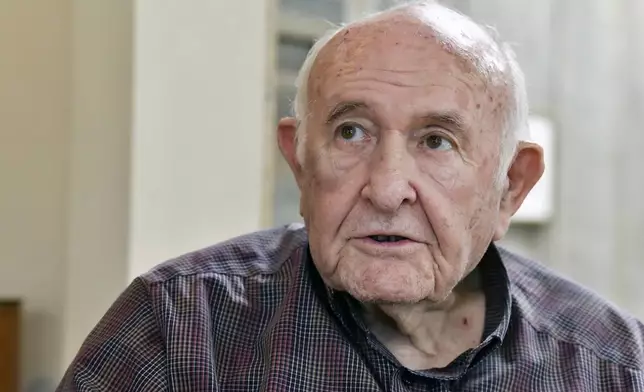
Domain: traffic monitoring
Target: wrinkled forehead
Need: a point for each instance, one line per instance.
(394, 44)
(432, 38)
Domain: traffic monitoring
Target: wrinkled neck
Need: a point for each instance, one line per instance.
(426, 325)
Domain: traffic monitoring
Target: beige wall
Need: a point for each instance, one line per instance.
(120, 122)
(34, 133)
(99, 170)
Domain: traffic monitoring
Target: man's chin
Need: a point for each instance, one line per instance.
(386, 297)
(374, 285)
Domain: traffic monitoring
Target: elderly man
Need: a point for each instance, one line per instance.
(408, 146)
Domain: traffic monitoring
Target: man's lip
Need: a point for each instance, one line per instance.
(370, 245)
(403, 236)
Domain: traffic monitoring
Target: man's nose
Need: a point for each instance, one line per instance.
(391, 170)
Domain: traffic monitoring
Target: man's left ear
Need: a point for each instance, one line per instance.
(523, 174)
(286, 132)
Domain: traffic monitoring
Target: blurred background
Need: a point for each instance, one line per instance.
(135, 131)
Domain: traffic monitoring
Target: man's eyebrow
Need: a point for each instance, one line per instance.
(343, 108)
(453, 119)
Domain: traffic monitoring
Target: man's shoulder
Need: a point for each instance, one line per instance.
(262, 252)
(161, 311)
(571, 314)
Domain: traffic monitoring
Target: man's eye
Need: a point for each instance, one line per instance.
(438, 142)
(351, 132)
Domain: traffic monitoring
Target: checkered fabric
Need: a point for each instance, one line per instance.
(252, 314)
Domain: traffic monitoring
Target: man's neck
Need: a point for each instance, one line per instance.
(429, 335)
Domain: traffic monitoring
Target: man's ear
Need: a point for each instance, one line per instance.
(523, 174)
(286, 131)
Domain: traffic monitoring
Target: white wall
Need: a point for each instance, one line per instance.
(200, 125)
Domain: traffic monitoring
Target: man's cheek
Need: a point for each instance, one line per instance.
(330, 177)
(442, 172)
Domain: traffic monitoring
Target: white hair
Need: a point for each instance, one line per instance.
(493, 60)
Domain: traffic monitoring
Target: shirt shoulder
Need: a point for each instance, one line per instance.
(262, 252)
(573, 314)
(147, 337)
(125, 349)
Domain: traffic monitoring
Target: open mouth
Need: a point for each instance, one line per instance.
(388, 238)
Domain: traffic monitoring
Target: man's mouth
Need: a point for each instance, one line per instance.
(388, 238)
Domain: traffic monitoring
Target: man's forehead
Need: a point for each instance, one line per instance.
(399, 50)
(370, 37)
(390, 42)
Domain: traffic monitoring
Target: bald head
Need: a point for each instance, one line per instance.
(476, 48)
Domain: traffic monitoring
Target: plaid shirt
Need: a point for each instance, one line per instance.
(252, 314)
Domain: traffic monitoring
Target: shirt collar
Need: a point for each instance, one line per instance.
(498, 298)
(498, 309)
